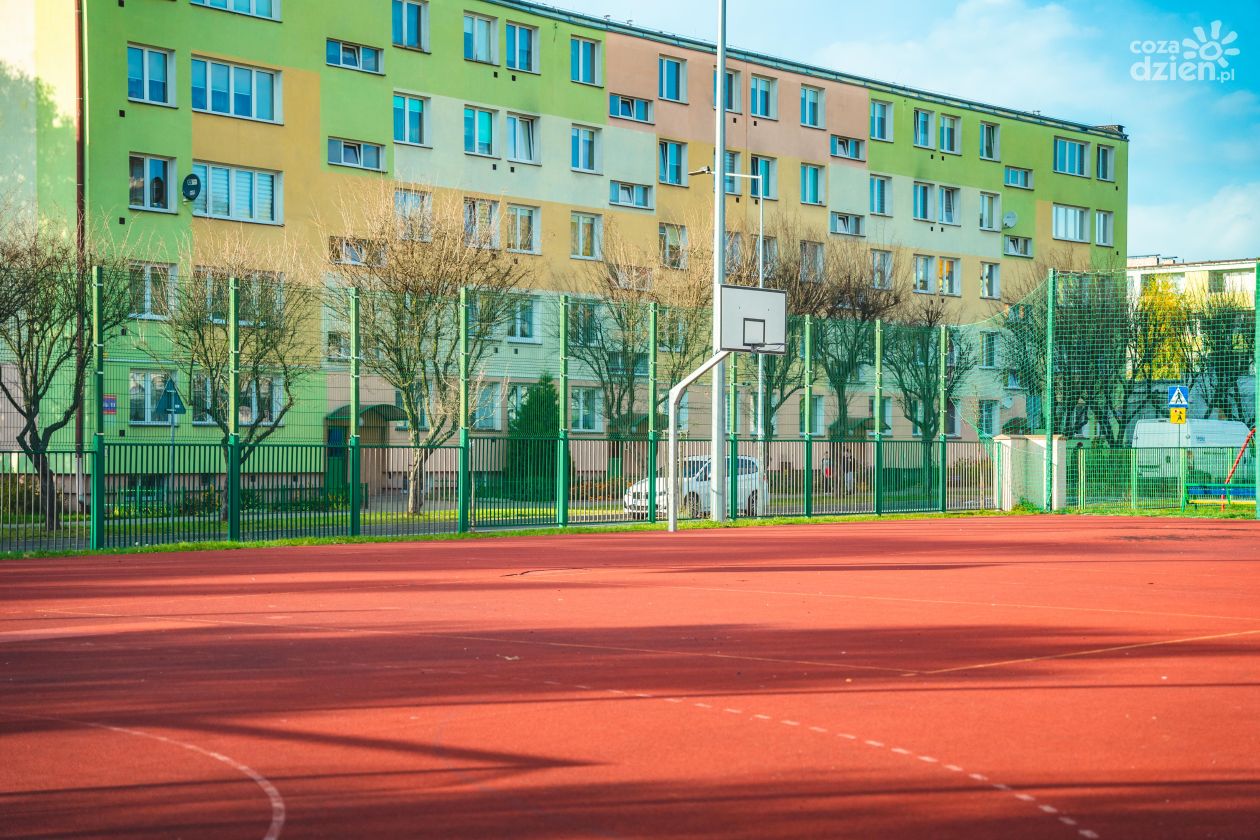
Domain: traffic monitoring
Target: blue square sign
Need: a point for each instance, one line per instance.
(1178, 396)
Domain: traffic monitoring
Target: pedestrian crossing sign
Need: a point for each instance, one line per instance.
(1177, 415)
(1178, 396)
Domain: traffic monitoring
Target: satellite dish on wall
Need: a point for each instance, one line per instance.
(1009, 219)
(191, 187)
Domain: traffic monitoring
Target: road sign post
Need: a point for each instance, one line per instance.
(172, 405)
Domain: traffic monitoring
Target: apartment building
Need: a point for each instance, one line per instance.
(559, 126)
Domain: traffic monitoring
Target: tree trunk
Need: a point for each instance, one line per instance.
(49, 506)
(415, 480)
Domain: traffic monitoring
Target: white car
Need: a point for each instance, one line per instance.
(693, 489)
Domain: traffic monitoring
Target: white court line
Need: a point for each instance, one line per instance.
(273, 795)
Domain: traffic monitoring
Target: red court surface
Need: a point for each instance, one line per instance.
(1040, 677)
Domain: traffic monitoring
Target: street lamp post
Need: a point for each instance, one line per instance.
(717, 462)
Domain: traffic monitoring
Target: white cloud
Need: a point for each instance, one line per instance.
(1224, 226)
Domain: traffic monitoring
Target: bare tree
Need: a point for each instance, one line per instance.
(408, 252)
(1224, 329)
(45, 293)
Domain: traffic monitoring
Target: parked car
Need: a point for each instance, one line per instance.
(693, 489)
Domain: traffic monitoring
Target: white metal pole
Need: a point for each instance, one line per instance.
(763, 454)
(717, 471)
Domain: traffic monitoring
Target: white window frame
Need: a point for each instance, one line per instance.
(991, 280)
(988, 342)
(881, 269)
(514, 49)
(733, 93)
(854, 224)
(1069, 223)
(1027, 178)
(813, 185)
(1082, 156)
(949, 199)
(881, 112)
(577, 73)
(407, 100)
(993, 201)
(474, 236)
(949, 276)
(730, 163)
(489, 27)
(664, 166)
(359, 50)
(616, 100)
(1104, 228)
(515, 123)
(585, 410)
(524, 330)
(145, 272)
(813, 261)
(1011, 246)
(204, 206)
(145, 81)
(924, 274)
(883, 207)
(819, 98)
(617, 189)
(997, 140)
(951, 125)
(476, 138)
(577, 136)
(767, 185)
(361, 145)
(672, 245)
(578, 224)
(254, 5)
(152, 396)
(421, 39)
(921, 206)
(988, 417)
(763, 88)
(661, 91)
(1109, 154)
(924, 129)
(413, 209)
(515, 213)
(842, 146)
(170, 186)
(487, 408)
(256, 75)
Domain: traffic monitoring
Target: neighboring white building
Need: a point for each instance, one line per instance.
(1211, 276)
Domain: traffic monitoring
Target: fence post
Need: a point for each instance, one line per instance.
(653, 396)
(808, 415)
(732, 429)
(942, 353)
(464, 491)
(233, 488)
(96, 529)
(1082, 482)
(1181, 484)
(878, 479)
(1133, 482)
(1047, 403)
(1255, 305)
(562, 447)
(355, 468)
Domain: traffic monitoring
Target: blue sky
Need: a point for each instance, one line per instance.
(1194, 162)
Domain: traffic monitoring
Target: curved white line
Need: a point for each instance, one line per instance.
(273, 795)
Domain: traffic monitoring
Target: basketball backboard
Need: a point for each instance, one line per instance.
(752, 320)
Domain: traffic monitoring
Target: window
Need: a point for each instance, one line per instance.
(1104, 227)
(764, 185)
(732, 92)
(584, 235)
(948, 276)
(348, 250)
(924, 277)
(923, 128)
(353, 56)
(583, 61)
(522, 48)
(629, 108)
(847, 224)
(1012, 381)
(817, 404)
(411, 24)
(1069, 223)
(260, 400)
(987, 422)
(150, 179)
(523, 229)
(257, 8)
(481, 40)
(230, 192)
(355, 153)
(413, 211)
(1069, 156)
(885, 414)
(522, 138)
(583, 323)
(672, 162)
(1105, 167)
(673, 240)
(990, 280)
(261, 295)
(811, 184)
(881, 269)
(672, 79)
(584, 409)
(409, 119)
(338, 346)
(847, 147)
(486, 408)
(148, 75)
(146, 387)
(730, 163)
(922, 202)
(951, 419)
(481, 223)
(522, 326)
(630, 195)
(879, 195)
(734, 250)
(949, 131)
(1016, 177)
(478, 131)
(811, 106)
(988, 350)
(234, 90)
(762, 96)
(881, 120)
(150, 289)
(990, 211)
(990, 135)
(948, 205)
(584, 147)
(638, 278)
(811, 261)
(1018, 246)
